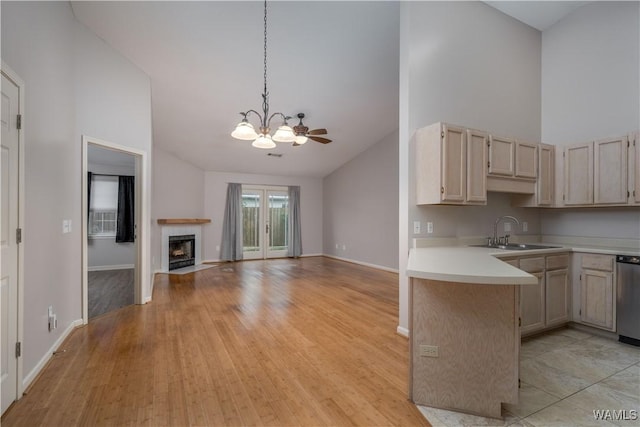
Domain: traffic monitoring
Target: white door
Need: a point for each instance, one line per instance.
(265, 232)
(9, 226)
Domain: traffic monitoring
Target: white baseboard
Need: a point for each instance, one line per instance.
(366, 264)
(111, 267)
(402, 331)
(26, 382)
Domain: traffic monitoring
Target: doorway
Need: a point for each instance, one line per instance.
(112, 197)
(11, 220)
(265, 218)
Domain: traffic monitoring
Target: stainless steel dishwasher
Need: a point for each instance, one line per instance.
(628, 299)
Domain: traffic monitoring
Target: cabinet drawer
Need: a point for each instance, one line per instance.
(557, 261)
(532, 265)
(598, 262)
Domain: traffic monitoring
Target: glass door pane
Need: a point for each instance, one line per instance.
(278, 223)
(251, 224)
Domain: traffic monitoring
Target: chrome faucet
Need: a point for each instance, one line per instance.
(496, 241)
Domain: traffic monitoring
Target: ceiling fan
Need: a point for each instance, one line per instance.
(302, 132)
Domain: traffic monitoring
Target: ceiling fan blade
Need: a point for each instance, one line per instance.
(317, 132)
(319, 139)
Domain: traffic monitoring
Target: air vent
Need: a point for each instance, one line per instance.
(274, 154)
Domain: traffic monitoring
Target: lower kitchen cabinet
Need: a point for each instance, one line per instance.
(546, 304)
(597, 299)
(557, 297)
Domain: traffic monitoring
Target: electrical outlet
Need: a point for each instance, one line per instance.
(344, 247)
(416, 227)
(429, 227)
(337, 245)
(429, 350)
(217, 248)
(507, 227)
(525, 226)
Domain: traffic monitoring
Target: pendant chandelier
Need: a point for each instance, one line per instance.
(263, 139)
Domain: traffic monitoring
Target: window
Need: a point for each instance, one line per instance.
(103, 210)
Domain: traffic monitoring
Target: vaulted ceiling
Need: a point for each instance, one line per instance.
(335, 61)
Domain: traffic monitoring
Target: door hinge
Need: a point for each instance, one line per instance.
(18, 349)
(563, 197)
(442, 134)
(442, 190)
(488, 143)
(19, 122)
(488, 164)
(580, 312)
(18, 235)
(519, 321)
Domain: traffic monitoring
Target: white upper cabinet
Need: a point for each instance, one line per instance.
(526, 160)
(610, 171)
(546, 169)
(476, 171)
(634, 168)
(449, 162)
(596, 173)
(501, 156)
(578, 174)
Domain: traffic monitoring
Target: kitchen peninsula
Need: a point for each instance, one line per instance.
(464, 332)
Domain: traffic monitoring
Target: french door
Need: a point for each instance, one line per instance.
(265, 218)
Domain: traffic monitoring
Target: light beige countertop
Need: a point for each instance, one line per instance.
(463, 264)
(451, 260)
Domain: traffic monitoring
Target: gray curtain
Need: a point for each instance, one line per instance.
(231, 247)
(295, 240)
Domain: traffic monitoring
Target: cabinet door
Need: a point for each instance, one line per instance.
(597, 298)
(546, 168)
(526, 160)
(578, 175)
(454, 164)
(501, 156)
(610, 171)
(476, 172)
(532, 305)
(557, 296)
(636, 169)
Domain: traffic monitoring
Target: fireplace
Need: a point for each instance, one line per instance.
(182, 251)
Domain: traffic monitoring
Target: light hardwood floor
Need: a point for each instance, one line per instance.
(284, 342)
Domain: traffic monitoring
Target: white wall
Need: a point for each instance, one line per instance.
(74, 84)
(215, 189)
(591, 90)
(178, 192)
(360, 207)
(113, 102)
(464, 63)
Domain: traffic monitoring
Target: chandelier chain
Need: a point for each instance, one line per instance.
(265, 47)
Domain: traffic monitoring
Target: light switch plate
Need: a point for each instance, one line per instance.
(429, 227)
(416, 227)
(507, 227)
(525, 226)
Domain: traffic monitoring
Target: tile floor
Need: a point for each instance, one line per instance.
(565, 375)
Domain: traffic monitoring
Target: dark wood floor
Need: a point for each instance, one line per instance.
(109, 290)
(284, 342)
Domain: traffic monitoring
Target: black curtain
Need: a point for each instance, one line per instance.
(89, 179)
(125, 231)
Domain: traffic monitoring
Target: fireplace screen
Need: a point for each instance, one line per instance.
(182, 251)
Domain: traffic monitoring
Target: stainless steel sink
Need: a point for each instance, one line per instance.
(516, 246)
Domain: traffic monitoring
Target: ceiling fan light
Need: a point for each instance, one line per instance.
(264, 141)
(284, 134)
(244, 131)
(301, 139)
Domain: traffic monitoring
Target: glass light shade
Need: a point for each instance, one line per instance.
(301, 139)
(264, 141)
(284, 134)
(244, 131)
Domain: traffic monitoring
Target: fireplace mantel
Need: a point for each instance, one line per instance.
(183, 221)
